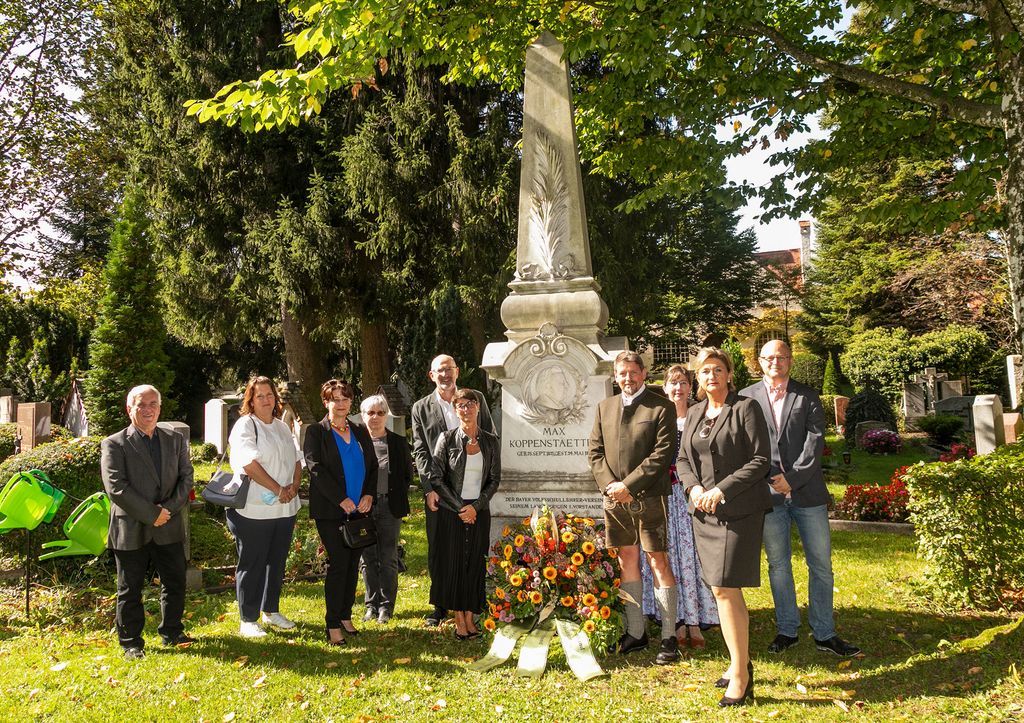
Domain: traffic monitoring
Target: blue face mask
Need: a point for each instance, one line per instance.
(268, 497)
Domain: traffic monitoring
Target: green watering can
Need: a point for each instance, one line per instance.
(27, 499)
(86, 529)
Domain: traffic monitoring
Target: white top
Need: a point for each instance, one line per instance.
(473, 479)
(627, 399)
(451, 419)
(276, 452)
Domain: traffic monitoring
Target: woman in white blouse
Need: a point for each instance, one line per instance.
(263, 449)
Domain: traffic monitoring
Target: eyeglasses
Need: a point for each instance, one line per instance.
(464, 406)
(775, 358)
(705, 428)
(375, 413)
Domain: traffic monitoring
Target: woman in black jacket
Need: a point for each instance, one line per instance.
(342, 483)
(465, 472)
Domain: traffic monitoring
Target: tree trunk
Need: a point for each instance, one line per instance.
(1013, 187)
(304, 361)
(376, 365)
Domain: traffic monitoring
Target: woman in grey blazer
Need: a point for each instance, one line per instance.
(723, 464)
(465, 471)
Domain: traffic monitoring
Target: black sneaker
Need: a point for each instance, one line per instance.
(627, 643)
(782, 642)
(435, 617)
(369, 615)
(837, 645)
(134, 654)
(669, 652)
(179, 639)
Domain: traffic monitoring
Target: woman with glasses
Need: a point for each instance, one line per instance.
(696, 606)
(391, 504)
(723, 465)
(342, 482)
(465, 471)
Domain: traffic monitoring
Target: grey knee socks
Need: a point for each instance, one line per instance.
(634, 616)
(668, 600)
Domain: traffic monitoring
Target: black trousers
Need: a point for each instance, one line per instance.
(132, 569)
(342, 573)
(433, 552)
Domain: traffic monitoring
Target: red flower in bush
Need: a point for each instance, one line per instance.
(957, 451)
(876, 503)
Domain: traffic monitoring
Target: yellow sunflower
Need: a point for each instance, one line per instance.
(589, 626)
(516, 580)
(589, 600)
(489, 624)
(567, 601)
(508, 551)
(536, 598)
(605, 612)
(577, 558)
(518, 542)
(568, 537)
(588, 548)
(550, 573)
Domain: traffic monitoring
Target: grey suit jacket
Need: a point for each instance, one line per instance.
(737, 461)
(137, 490)
(635, 446)
(798, 448)
(428, 424)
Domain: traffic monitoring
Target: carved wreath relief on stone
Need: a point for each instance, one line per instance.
(549, 217)
(553, 392)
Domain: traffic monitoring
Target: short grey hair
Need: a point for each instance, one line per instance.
(373, 402)
(137, 391)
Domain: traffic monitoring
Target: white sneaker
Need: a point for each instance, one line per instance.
(251, 630)
(278, 621)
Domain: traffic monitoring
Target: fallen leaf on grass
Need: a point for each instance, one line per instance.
(240, 662)
(405, 697)
(403, 661)
(802, 688)
(844, 664)
(260, 681)
(183, 645)
(181, 677)
(59, 667)
(849, 693)
(221, 618)
(113, 682)
(332, 664)
(355, 661)
(428, 688)
(841, 705)
(773, 714)
(228, 717)
(322, 689)
(34, 692)
(691, 688)
(499, 709)
(440, 704)
(975, 670)
(304, 705)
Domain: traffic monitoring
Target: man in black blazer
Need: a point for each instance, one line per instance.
(148, 476)
(796, 424)
(432, 416)
(632, 447)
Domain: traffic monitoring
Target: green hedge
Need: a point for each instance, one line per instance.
(967, 516)
(10, 430)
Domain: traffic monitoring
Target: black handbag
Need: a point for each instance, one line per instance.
(359, 533)
(220, 490)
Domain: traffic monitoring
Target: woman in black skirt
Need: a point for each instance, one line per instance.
(465, 472)
(724, 461)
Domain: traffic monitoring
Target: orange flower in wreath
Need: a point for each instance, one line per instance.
(536, 598)
(508, 551)
(550, 573)
(499, 593)
(567, 601)
(516, 580)
(568, 537)
(489, 624)
(616, 582)
(612, 553)
(521, 596)
(505, 530)
(604, 594)
(588, 548)
(589, 600)
(518, 542)
(589, 626)
(606, 612)
(577, 558)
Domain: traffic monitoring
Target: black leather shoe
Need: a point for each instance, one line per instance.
(724, 682)
(435, 617)
(134, 654)
(725, 701)
(782, 642)
(179, 639)
(669, 652)
(627, 643)
(384, 616)
(838, 646)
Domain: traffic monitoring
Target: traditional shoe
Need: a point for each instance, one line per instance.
(179, 639)
(781, 643)
(726, 701)
(838, 646)
(369, 615)
(251, 630)
(134, 654)
(435, 616)
(669, 652)
(627, 643)
(384, 617)
(278, 621)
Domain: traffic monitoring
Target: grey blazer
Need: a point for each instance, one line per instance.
(448, 468)
(428, 424)
(738, 459)
(797, 451)
(137, 490)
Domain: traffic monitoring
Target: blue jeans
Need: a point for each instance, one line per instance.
(812, 524)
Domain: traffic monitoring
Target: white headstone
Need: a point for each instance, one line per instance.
(1015, 374)
(180, 427)
(215, 424)
(8, 408)
(988, 423)
(914, 403)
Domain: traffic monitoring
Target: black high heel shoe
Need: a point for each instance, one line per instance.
(336, 643)
(726, 701)
(724, 682)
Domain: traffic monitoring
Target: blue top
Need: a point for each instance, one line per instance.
(353, 464)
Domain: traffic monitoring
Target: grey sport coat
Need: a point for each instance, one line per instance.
(798, 447)
(137, 490)
(428, 425)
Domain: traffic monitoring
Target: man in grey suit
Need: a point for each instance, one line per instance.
(432, 416)
(796, 424)
(632, 446)
(148, 476)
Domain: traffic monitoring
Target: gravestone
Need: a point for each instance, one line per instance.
(556, 363)
(33, 424)
(215, 424)
(179, 427)
(950, 388)
(841, 403)
(868, 426)
(8, 407)
(1013, 426)
(988, 423)
(914, 402)
(958, 407)
(1015, 376)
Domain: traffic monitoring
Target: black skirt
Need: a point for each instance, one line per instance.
(460, 565)
(729, 550)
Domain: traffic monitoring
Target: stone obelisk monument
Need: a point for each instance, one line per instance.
(556, 363)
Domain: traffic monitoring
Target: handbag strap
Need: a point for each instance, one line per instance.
(224, 454)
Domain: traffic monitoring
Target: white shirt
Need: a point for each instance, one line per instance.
(276, 451)
(473, 479)
(627, 400)
(451, 419)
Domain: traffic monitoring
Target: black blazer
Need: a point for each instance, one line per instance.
(326, 474)
(738, 460)
(399, 474)
(448, 468)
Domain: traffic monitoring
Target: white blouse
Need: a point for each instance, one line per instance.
(274, 447)
(473, 479)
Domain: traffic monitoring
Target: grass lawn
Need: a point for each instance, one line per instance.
(921, 663)
(867, 468)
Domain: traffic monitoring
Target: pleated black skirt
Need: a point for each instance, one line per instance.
(460, 567)
(729, 550)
